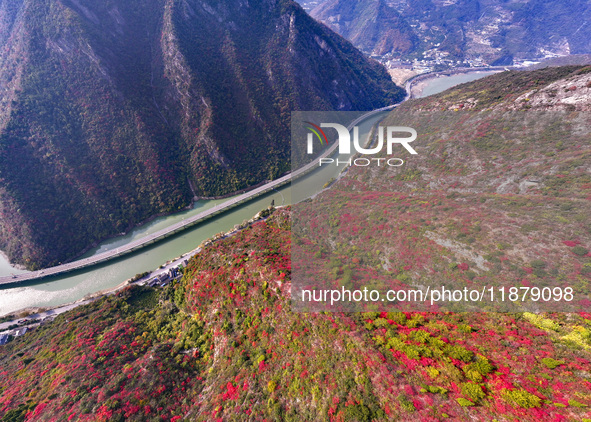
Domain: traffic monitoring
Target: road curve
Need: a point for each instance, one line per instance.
(181, 225)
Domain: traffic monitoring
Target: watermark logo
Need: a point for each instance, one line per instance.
(345, 138)
(317, 131)
(388, 135)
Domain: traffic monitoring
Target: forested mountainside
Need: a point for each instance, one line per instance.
(115, 111)
(223, 345)
(493, 30)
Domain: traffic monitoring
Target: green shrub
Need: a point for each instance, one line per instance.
(521, 398)
(541, 322)
(381, 323)
(575, 403)
(413, 352)
(435, 390)
(470, 275)
(395, 343)
(463, 402)
(359, 412)
(370, 315)
(579, 250)
(271, 386)
(397, 317)
(459, 353)
(416, 321)
(482, 365)
(432, 372)
(475, 371)
(472, 391)
(420, 336)
(552, 363)
(538, 263)
(406, 403)
(380, 340)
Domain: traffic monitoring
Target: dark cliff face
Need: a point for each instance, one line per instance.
(113, 111)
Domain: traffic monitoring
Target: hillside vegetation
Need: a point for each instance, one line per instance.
(223, 345)
(498, 195)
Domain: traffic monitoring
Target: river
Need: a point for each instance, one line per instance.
(56, 291)
(441, 83)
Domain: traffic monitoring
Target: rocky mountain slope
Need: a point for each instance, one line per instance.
(114, 111)
(498, 195)
(372, 26)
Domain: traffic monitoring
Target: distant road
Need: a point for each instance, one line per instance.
(181, 225)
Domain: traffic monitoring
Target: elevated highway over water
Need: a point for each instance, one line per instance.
(180, 226)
